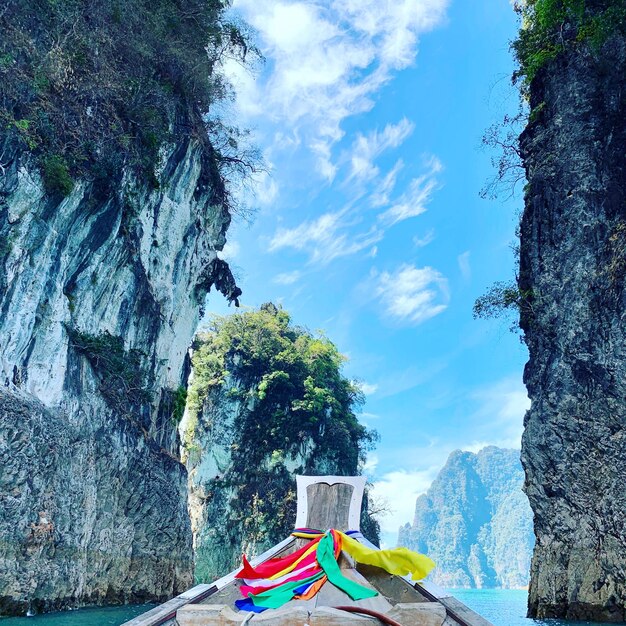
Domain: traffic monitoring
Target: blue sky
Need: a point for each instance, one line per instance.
(369, 225)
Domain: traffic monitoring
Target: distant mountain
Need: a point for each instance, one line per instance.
(475, 521)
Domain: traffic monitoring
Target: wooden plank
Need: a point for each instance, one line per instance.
(160, 615)
(226, 595)
(354, 508)
(419, 614)
(220, 615)
(377, 603)
(197, 591)
(331, 596)
(394, 588)
(327, 616)
(291, 616)
(164, 613)
(205, 615)
(328, 505)
(462, 613)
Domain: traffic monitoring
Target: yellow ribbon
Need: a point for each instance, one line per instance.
(400, 561)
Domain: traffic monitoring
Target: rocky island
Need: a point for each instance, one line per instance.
(267, 400)
(475, 522)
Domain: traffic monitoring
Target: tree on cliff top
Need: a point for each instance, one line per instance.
(267, 400)
(293, 380)
(91, 88)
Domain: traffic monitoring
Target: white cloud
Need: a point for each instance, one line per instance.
(287, 278)
(382, 193)
(464, 265)
(400, 489)
(325, 62)
(315, 231)
(367, 148)
(230, 250)
(257, 189)
(419, 193)
(325, 238)
(371, 463)
(500, 414)
(333, 235)
(370, 416)
(367, 388)
(412, 294)
(265, 188)
(399, 381)
(422, 242)
(327, 59)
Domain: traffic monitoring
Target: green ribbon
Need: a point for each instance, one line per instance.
(326, 558)
(325, 555)
(275, 598)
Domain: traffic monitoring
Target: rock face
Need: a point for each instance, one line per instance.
(91, 513)
(267, 401)
(475, 521)
(236, 508)
(99, 301)
(573, 261)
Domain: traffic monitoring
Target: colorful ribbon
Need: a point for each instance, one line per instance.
(303, 573)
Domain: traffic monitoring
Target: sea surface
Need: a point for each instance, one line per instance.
(502, 607)
(109, 616)
(506, 607)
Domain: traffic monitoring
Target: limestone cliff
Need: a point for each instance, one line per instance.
(85, 265)
(267, 401)
(475, 521)
(109, 242)
(573, 257)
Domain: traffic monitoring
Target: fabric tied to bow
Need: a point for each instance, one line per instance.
(303, 573)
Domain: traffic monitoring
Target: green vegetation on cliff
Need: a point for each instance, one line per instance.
(268, 400)
(551, 26)
(292, 378)
(90, 88)
(122, 376)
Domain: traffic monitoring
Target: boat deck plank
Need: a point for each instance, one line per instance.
(329, 595)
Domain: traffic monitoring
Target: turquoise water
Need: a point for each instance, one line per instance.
(506, 607)
(110, 616)
(503, 607)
